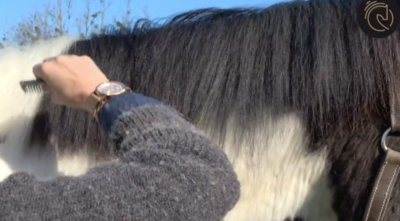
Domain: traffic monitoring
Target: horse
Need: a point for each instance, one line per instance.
(296, 94)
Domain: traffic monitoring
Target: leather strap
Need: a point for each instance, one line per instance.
(387, 176)
(389, 170)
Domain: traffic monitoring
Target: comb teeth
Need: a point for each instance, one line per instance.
(33, 86)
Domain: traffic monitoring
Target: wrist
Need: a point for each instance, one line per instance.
(89, 104)
(101, 94)
(90, 101)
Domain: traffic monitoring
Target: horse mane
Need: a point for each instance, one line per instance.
(215, 65)
(211, 64)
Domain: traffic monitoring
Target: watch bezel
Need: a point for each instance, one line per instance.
(100, 92)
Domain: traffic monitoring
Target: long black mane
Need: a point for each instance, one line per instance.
(214, 64)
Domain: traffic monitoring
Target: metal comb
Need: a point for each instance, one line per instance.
(32, 86)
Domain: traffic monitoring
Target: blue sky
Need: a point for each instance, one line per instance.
(13, 11)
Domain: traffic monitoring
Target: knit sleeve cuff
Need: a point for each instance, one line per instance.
(118, 105)
(150, 123)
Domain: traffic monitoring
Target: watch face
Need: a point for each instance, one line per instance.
(111, 88)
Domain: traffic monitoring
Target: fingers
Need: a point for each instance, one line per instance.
(46, 90)
(50, 64)
(49, 59)
(38, 72)
(46, 69)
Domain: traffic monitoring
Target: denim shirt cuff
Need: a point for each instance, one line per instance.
(120, 104)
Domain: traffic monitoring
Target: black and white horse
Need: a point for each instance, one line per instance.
(295, 94)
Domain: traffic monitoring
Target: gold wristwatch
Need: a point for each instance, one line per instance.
(104, 92)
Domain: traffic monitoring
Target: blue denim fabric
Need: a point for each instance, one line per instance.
(117, 105)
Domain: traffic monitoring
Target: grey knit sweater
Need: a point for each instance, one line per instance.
(166, 171)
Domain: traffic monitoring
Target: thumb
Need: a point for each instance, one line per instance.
(38, 72)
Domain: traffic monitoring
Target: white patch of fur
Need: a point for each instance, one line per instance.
(18, 108)
(281, 180)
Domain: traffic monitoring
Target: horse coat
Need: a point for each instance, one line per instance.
(290, 92)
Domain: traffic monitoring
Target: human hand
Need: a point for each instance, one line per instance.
(70, 80)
